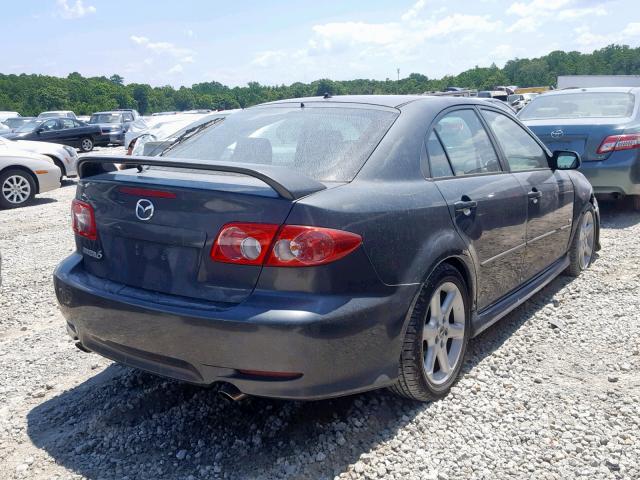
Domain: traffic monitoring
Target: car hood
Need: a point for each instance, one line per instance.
(41, 147)
(20, 153)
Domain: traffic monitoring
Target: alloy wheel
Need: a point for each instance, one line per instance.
(16, 189)
(443, 333)
(87, 145)
(586, 240)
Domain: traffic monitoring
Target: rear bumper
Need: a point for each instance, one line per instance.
(340, 345)
(620, 173)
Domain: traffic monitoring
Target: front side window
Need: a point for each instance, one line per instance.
(466, 143)
(50, 125)
(521, 151)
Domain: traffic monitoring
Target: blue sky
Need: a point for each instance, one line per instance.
(181, 43)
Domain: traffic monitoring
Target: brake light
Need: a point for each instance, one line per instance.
(243, 243)
(146, 192)
(83, 220)
(292, 246)
(619, 142)
(298, 246)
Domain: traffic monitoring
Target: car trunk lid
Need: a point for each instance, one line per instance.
(156, 228)
(583, 136)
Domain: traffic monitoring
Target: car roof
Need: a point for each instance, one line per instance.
(107, 111)
(565, 91)
(393, 101)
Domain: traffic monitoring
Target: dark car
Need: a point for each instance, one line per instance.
(113, 126)
(316, 247)
(66, 131)
(16, 122)
(602, 125)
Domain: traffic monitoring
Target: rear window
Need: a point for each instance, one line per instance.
(106, 118)
(580, 105)
(324, 143)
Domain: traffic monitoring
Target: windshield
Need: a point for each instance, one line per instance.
(324, 143)
(106, 118)
(15, 122)
(29, 126)
(580, 105)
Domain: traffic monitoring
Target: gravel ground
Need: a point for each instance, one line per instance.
(550, 392)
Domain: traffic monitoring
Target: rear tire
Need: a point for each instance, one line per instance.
(86, 144)
(17, 188)
(583, 245)
(436, 341)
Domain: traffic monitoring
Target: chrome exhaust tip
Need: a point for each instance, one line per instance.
(231, 392)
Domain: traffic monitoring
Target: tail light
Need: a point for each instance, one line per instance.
(243, 243)
(614, 143)
(83, 220)
(289, 246)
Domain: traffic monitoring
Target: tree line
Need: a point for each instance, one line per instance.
(31, 94)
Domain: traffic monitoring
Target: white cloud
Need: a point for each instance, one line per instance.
(632, 30)
(75, 10)
(413, 12)
(185, 55)
(269, 58)
(176, 69)
(525, 25)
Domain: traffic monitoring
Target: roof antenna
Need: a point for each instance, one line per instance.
(326, 95)
(301, 105)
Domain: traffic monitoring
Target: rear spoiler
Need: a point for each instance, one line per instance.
(287, 183)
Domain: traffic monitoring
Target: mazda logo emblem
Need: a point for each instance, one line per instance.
(144, 209)
(557, 133)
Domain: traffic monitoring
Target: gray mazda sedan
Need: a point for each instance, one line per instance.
(317, 247)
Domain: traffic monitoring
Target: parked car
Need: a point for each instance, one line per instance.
(23, 175)
(497, 94)
(13, 123)
(154, 139)
(64, 157)
(59, 130)
(58, 113)
(600, 124)
(83, 118)
(134, 113)
(327, 246)
(113, 126)
(519, 100)
(7, 114)
(4, 130)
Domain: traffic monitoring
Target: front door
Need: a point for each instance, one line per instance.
(488, 205)
(549, 193)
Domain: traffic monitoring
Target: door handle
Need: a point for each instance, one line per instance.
(534, 195)
(465, 206)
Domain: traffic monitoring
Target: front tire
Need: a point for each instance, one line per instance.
(583, 246)
(86, 144)
(17, 188)
(436, 339)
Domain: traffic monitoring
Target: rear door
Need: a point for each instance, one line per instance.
(70, 131)
(549, 193)
(488, 205)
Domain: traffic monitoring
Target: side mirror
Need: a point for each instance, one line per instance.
(564, 160)
(39, 130)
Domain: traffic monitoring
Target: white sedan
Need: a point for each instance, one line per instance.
(23, 175)
(65, 157)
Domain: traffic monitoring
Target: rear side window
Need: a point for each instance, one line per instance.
(521, 151)
(437, 158)
(68, 123)
(467, 143)
(50, 125)
(324, 143)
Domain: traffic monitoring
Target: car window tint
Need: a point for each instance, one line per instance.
(521, 151)
(67, 123)
(467, 144)
(127, 117)
(437, 158)
(50, 125)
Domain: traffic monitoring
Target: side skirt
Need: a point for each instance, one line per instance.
(491, 314)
